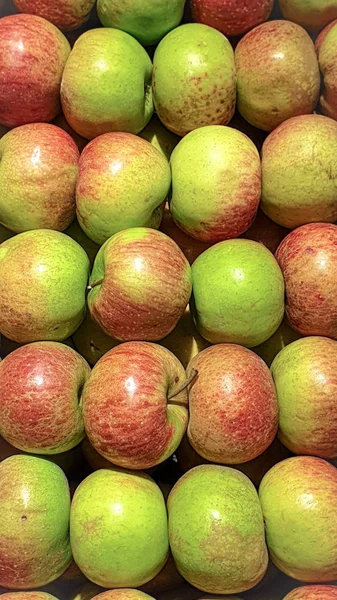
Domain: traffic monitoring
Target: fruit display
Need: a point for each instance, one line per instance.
(168, 299)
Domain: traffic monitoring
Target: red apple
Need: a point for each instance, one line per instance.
(308, 259)
(65, 14)
(313, 592)
(33, 53)
(231, 17)
(265, 231)
(134, 412)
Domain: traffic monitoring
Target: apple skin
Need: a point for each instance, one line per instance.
(161, 138)
(44, 275)
(64, 14)
(191, 247)
(231, 17)
(36, 595)
(143, 274)
(326, 52)
(217, 542)
(312, 14)
(266, 231)
(222, 164)
(283, 336)
(233, 405)
(118, 528)
(60, 121)
(308, 259)
(34, 523)
(238, 293)
(127, 412)
(313, 592)
(190, 95)
(106, 84)
(277, 74)
(299, 501)
(38, 173)
(126, 594)
(123, 182)
(304, 189)
(33, 53)
(148, 22)
(40, 385)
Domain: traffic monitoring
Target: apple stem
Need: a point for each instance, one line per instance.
(92, 285)
(186, 383)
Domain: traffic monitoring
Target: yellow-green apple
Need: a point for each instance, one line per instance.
(191, 247)
(231, 17)
(216, 530)
(313, 592)
(326, 50)
(106, 84)
(304, 375)
(118, 528)
(40, 397)
(135, 405)
(233, 405)
(140, 285)
(308, 259)
(238, 293)
(34, 522)
(123, 594)
(36, 595)
(266, 231)
(194, 78)
(38, 173)
(91, 341)
(43, 277)
(311, 14)
(65, 14)
(321, 37)
(60, 121)
(33, 53)
(303, 190)
(222, 164)
(160, 137)
(277, 74)
(148, 22)
(123, 182)
(283, 336)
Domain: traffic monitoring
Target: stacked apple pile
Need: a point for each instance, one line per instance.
(168, 299)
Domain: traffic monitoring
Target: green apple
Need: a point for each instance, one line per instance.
(27, 596)
(238, 293)
(161, 138)
(147, 21)
(43, 276)
(216, 530)
(123, 594)
(118, 528)
(106, 84)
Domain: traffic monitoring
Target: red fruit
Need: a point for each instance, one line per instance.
(231, 17)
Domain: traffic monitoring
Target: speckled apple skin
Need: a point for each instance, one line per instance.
(308, 259)
(326, 51)
(118, 528)
(33, 53)
(231, 17)
(126, 594)
(28, 596)
(216, 530)
(44, 275)
(106, 85)
(123, 182)
(277, 74)
(238, 293)
(65, 14)
(34, 522)
(38, 173)
(313, 592)
(194, 82)
(311, 14)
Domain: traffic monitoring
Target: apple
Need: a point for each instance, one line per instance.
(65, 14)
(140, 285)
(216, 530)
(106, 84)
(194, 78)
(38, 173)
(27, 596)
(231, 17)
(238, 293)
(191, 247)
(123, 182)
(266, 231)
(135, 405)
(299, 502)
(283, 336)
(277, 74)
(147, 22)
(311, 14)
(118, 528)
(60, 121)
(313, 592)
(222, 164)
(160, 137)
(34, 522)
(123, 594)
(33, 53)
(326, 51)
(308, 259)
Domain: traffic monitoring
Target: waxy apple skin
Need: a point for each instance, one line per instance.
(193, 93)
(222, 164)
(141, 284)
(299, 502)
(123, 182)
(277, 74)
(34, 522)
(216, 530)
(106, 84)
(33, 53)
(28, 596)
(118, 528)
(308, 259)
(64, 14)
(126, 594)
(326, 52)
(313, 592)
(231, 17)
(38, 173)
(312, 14)
(40, 395)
